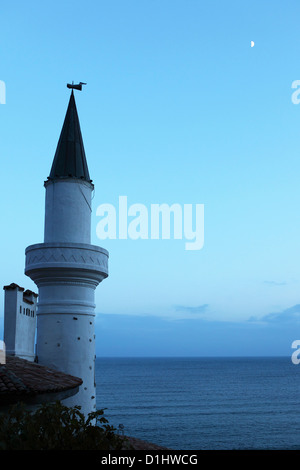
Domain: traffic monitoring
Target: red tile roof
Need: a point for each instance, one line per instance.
(21, 379)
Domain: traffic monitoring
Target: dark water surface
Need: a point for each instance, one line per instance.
(203, 403)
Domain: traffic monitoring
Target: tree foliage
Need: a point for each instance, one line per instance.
(56, 427)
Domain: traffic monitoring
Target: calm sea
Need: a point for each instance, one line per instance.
(203, 403)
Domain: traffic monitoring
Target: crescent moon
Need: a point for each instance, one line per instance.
(252, 43)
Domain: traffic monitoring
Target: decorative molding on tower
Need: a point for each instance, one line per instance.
(42, 257)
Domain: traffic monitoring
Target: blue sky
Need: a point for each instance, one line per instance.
(178, 108)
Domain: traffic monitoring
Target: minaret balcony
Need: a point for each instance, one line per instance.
(59, 262)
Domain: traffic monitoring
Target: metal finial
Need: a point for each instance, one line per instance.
(75, 87)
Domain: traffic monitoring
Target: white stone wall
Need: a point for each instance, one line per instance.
(68, 211)
(66, 342)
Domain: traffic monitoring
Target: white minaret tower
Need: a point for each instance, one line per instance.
(67, 268)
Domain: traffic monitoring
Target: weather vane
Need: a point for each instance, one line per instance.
(76, 87)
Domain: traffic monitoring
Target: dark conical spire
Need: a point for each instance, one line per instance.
(69, 160)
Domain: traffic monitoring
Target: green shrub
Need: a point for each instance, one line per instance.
(56, 427)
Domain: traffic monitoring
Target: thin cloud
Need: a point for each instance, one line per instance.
(275, 283)
(188, 309)
(289, 315)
